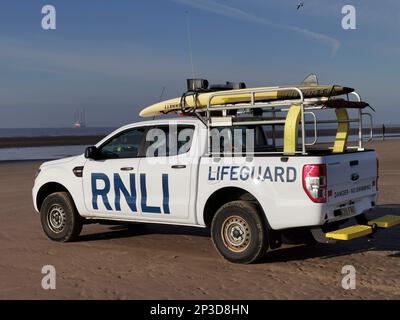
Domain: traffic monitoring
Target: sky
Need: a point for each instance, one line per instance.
(113, 58)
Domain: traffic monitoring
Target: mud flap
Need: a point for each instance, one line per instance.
(274, 239)
(319, 236)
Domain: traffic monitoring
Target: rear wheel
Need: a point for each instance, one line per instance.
(59, 217)
(238, 232)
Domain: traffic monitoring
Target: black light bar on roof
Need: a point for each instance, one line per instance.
(194, 85)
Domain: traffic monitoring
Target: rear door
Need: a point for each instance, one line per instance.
(351, 176)
(165, 172)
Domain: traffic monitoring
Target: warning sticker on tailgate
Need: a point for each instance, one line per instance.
(358, 189)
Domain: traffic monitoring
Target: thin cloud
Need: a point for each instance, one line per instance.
(235, 13)
(125, 63)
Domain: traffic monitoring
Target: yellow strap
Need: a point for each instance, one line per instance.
(342, 131)
(291, 130)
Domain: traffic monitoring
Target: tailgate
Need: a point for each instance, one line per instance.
(351, 176)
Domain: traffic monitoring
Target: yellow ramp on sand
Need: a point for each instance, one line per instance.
(385, 221)
(350, 232)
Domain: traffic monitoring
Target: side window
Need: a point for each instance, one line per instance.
(238, 139)
(185, 139)
(164, 141)
(124, 145)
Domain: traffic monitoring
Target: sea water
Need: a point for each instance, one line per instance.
(40, 153)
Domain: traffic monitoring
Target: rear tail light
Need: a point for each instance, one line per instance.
(315, 182)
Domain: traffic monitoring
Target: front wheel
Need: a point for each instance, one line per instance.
(238, 232)
(59, 217)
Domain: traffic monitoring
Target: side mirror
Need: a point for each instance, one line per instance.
(91, 153)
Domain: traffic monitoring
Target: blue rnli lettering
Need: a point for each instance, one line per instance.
(100, 192)
(129, 197)
(165, 189)
(143, 189)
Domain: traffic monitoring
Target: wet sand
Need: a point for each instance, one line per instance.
(21, 142)
(160, 262)
(45, 141)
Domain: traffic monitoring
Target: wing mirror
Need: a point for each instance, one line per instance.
(91, 153)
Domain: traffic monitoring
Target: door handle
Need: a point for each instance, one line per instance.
(127, 169)
(178, 166)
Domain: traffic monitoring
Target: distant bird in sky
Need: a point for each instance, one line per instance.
(300, 5)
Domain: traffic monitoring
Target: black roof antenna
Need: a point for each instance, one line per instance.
(189, 37)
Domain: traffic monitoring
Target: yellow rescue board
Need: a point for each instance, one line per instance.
(350, 232)
(242, 96)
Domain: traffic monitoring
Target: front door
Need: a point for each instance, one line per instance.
(110, 182)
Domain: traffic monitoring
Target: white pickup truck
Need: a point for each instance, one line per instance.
(251, 190)
(245, 200)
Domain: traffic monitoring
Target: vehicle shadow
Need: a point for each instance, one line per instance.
(384, 240)
(135, 230)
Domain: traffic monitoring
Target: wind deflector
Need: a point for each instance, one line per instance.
(310, 80)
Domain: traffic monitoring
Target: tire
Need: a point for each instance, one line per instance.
(59, 218)
(238, 232)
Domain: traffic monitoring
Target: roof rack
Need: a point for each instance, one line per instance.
(295, 109)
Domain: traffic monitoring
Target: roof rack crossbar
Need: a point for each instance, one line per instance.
(277, 106)
(252, 104)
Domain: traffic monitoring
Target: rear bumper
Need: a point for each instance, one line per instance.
(309, 214)
(349, 208)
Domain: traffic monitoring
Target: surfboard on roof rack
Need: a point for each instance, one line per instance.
(199, 94)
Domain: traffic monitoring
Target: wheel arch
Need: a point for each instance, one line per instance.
(46, 190)
(227, 194)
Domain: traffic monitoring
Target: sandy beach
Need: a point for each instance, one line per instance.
(160, 262)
